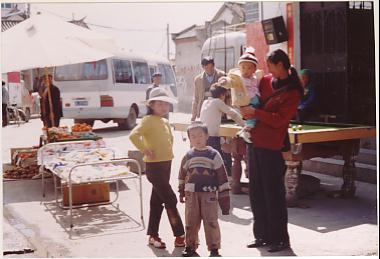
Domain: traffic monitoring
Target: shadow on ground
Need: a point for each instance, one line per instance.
(177, 252)
(94, 221)
(323, 214)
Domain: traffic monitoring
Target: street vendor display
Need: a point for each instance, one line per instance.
(80, 131)
(80, 163)
(310, 140)
(23, 164)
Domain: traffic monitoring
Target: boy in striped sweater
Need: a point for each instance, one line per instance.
(203, 184)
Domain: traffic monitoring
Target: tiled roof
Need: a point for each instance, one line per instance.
(5, 25)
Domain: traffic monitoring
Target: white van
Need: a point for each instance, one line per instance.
(225, 48)
(112, 88)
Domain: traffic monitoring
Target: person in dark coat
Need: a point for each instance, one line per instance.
(306, 108)
(5, 102)
(57, 105)
(280, 94)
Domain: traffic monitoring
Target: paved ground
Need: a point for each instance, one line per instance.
(330, 227)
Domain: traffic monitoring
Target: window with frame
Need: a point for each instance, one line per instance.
(123, 71)
(161, 69)
(169, 76)
(219, 58)
(141, 72)
(6, 5)
(152, 70)
(96, 70)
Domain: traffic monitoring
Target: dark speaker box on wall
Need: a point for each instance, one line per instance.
(274, 30)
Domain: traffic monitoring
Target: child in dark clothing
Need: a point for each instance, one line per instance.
(203, 182)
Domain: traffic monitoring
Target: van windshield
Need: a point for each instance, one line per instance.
(167, 74)
(96, 70)
(141, 72)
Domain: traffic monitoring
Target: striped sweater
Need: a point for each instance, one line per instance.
(202, 171)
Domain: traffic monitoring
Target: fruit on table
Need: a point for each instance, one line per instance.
(81, 127)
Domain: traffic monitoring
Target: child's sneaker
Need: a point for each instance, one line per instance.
(214, 253)
(245, 135)
(179, 241)
(156, 242)
(189, 252)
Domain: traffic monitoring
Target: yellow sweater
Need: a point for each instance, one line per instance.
(154, 133)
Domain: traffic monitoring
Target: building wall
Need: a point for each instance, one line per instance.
(256, 39)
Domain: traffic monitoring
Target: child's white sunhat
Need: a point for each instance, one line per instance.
(160, 94)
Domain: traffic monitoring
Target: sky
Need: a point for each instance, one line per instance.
(137, 26)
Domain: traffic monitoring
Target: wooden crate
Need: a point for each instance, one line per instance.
(87, 193)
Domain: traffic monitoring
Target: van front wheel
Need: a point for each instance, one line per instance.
(130, 122)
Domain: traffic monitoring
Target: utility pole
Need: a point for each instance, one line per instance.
(225, 47)
(167, 40)
(28, 10)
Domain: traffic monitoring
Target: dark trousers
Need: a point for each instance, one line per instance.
(158, 174)
(5, 117)
(214, 142)
(47, 122)
(267, 194)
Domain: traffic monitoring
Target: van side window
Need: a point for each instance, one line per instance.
(141, 72)
(123, 71)
(68, 72)
(219, 58)
(96, 70)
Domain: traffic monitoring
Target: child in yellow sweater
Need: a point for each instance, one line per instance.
(153, 137)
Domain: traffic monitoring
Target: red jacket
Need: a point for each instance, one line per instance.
(273, 119)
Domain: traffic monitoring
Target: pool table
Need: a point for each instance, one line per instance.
(309, 140)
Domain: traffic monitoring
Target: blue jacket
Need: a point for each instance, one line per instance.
(308, 99)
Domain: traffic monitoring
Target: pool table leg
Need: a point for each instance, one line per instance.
(293, 170)
(348, 188)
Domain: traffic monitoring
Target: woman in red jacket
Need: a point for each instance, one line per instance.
(281, 92)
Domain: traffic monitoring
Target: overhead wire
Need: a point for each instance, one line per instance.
(104, 26)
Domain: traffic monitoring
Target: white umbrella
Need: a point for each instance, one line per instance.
(46, 41)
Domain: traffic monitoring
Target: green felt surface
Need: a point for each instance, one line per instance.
(307, 126)
(312, 127)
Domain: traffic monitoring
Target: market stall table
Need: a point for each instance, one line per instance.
(310, 140)
(84, 162)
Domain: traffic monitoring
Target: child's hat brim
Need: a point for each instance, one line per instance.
(161, 98)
